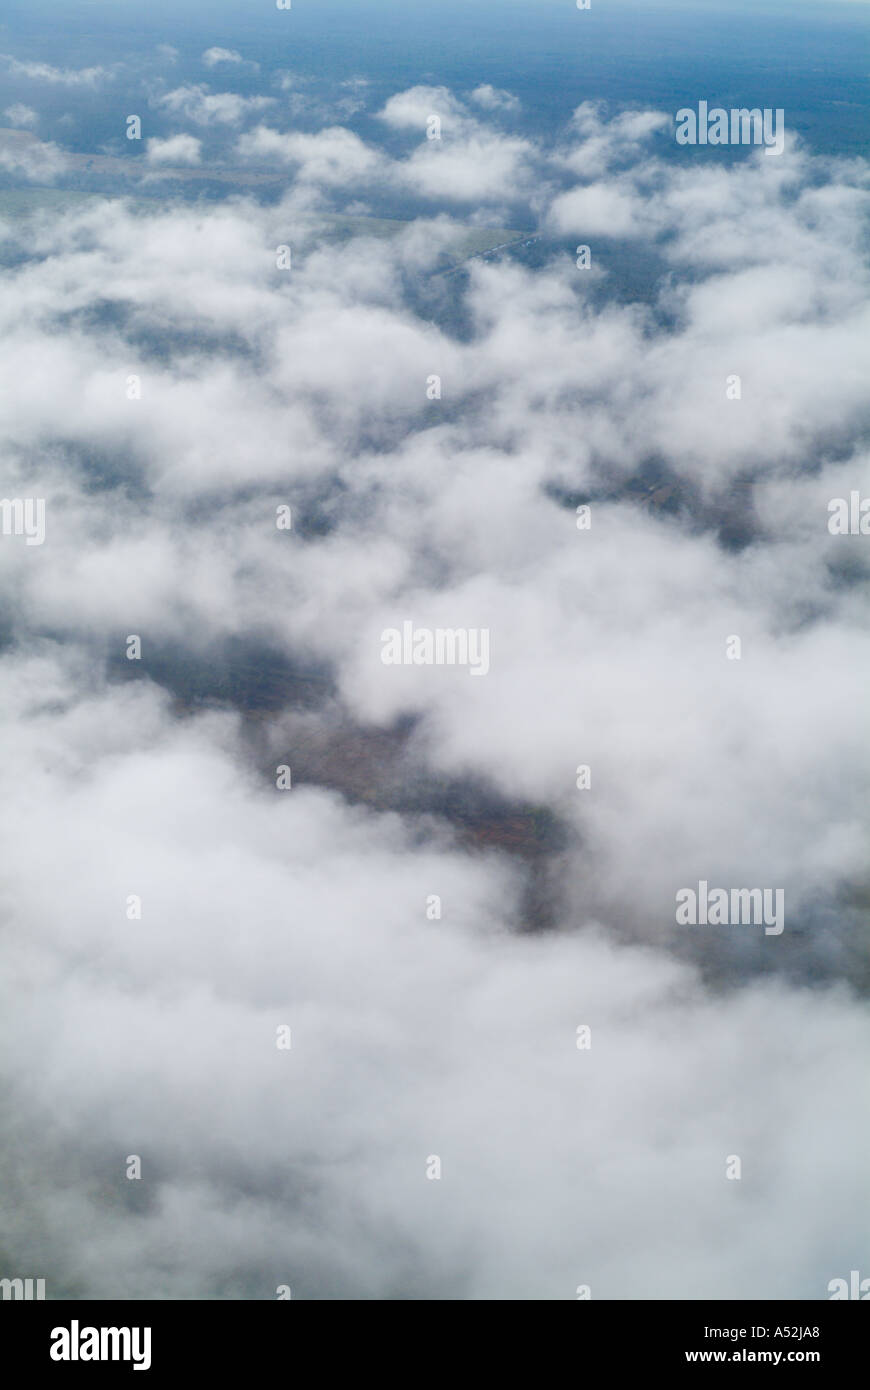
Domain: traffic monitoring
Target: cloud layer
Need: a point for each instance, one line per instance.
(174, 386)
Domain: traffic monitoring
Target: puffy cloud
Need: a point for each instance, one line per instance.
(601, 209)
(485, 169)
(414, 1035)
(459, 159)
(494, 98)
(213, 57)
(177, 149)
(412, 109)
(409, 1038)
(204, 107)
(21, 115)
(606, 144)
(24, 155)
(331, 157)
(46, 72)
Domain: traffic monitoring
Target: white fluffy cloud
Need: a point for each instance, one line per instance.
(213, 57)
(602, 209)
(177, 149)
(414, 1035)
(459, 158)
(494, 98)
(412, 109)
(27, 157)
(54, 76)
(478, 169)
(21, 115)
(204, 107)
(408, 1038)
(331, 157)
